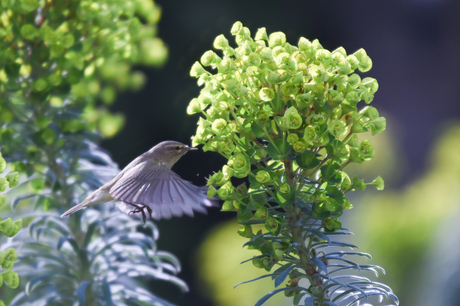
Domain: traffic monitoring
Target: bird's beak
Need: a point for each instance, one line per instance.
(189, 148)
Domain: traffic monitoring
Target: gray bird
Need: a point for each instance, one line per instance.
(149, 185)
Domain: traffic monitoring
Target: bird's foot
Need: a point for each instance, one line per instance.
(140, 209)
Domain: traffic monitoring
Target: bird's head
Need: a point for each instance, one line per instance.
(169, 152)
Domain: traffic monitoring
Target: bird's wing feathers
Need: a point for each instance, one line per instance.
(162, 190)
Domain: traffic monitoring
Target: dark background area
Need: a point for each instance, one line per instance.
(414, 45)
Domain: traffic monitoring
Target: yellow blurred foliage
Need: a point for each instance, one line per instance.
(219, 259)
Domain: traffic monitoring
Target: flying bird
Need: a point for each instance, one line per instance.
(148, 185)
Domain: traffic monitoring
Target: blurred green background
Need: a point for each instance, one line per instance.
(410, 228)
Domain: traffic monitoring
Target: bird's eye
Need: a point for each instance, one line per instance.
(177, 148)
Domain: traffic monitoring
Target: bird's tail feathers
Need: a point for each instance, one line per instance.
(73, 210)
(96, 197)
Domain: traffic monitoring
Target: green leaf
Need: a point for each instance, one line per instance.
(258, 130)
(277, 103)
(278, 149)
(283, 273)
(272, 293)
(81, 292)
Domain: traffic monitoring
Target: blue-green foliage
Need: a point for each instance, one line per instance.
(93, 255)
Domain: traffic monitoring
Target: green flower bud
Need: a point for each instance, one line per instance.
(227, 147)
(13, 179)
(353, 61)
(290, 89)
(276, 39)
(10, 227)
(366, 150)
(354, 80)
(292, 119)
(237, 28)
(218, 126)
(285, 188)
(266, 94)
(352, 97)
(340, 50)
(257, 262)
(216, 178)
(197, 70)
(220, 42)
(316, 119)
(331, 224)
(225, 65)
(262, 115)
(378, 183)
(366, 96)
(246, 232)
(364, 61)
(211, 191)
(7, 259)
(309, 134)
(337, 128)
(304, 44)
(323, 55)
(338, 59)
(282, 59)
(336, 96)
(266, 54)
(345, 69)
(207, 58)
(271, 224)
(292, 138)
(331, 204)
(371, 84)
(11, 278)
(240, 163)
(254, 59)
(225, 191)
(300, 146)
(273, 77)
(263, 176)
(297, 78)
(261, 213)
(227, 172)
(370, 112)
(358, 184)
(194, 107)
(261, 34)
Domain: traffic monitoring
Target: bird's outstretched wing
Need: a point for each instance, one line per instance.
(163, 191)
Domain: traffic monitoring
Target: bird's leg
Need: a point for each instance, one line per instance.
(140, 209)
(149, 210)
